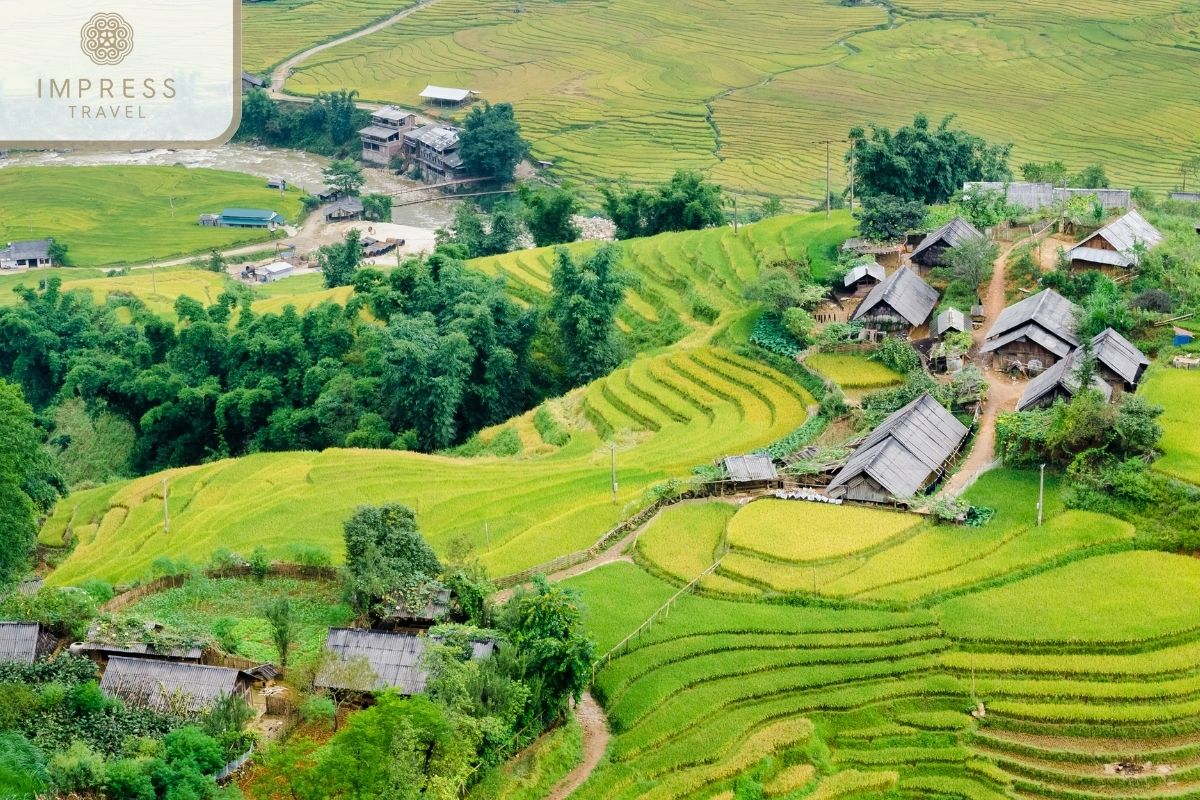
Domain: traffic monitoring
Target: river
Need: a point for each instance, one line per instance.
(299, 168)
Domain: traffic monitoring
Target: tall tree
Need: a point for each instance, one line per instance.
(340, 107)
(340, 260)
(685, 202)
(491, 143)
(385, 553)
(28, 483)
(583, 305)
(344, 175)
(887, 218)
(920, 162)
(549, 214)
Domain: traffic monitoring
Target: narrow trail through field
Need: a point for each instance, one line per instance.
(281, 73)
(592, 719)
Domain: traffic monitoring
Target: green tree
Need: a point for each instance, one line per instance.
(340, 107)
(1092, 176)
(490, 143)
(504, 231)
(25, 474)
(58, 254)
(584, 300)
(920, 162)
(377, 207)
(385, 553)
(283, 633)
(685, 202)
(771, 207)
(339, 261)
(344, 175)
(1052, 172)
(886, 218)
(549, 214)
(971, 262)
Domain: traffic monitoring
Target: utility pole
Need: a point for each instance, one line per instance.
(166, 508)
(487, 536)
(612, 451)
(852, 165)
(1041, 493)
(153, 281)
(735, 216)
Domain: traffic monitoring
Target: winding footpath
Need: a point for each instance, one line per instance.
(592, 719)
(282, 72)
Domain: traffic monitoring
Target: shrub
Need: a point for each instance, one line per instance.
(101, 591)
(77, 769)
(313, 557)
(23, 773)
(318, 709)
(126, 779)
(192, 747)
(897, 354)
(260, 565)
(86, 698)
(17, 702)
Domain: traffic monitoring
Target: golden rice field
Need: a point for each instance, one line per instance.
(665, 415)
(272, 30)
(743, 92)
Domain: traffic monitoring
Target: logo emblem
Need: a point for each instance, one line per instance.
(106, 39)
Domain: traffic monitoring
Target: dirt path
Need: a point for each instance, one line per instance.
(281, 73)
(592, 719)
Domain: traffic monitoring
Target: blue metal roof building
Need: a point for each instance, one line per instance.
(249, 218)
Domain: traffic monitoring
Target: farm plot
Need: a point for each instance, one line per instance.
(806, 532)
(612, 89)
(851, 371)
(684, 540)
(535, 508)
(231, 608)
(273, 31)
(1175, 390)
(127, 215)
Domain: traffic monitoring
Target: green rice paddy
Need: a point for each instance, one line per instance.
(1176, 391)
(852, 371)
(129, 215)
(745, 93)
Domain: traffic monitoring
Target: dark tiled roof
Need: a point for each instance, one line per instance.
(396, 659)
(907, 448)
(1118, 354)
(1048, 309)
(33, 248)
(163, 685)
(954, 233)
(905, 293)
(872, 270)
(1061, 375)
(750, 468)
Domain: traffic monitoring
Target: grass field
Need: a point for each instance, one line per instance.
(1176, 391)
(738, 90)
(128, 215)
(272, 31)
(667, 414)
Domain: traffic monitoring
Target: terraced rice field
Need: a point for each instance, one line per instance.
(665, 414)
(743, 92)
(274, 30)
(851, 371)
(672, 269)
(129, 215)
(1176, 391)
(1080, 658)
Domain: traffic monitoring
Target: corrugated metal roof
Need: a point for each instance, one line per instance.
(1061, 375)
(396, 659)
(907, 448)
(391, 114)
(950, 319)
(1049, 309)
(954, 233)
(905, 293)
(750, 468)
(1124, 234)
(1119, 354)
(379, 132)
(349, 204)
(439, 137)
(1098, 255)
(250, 213)
(19, 641)
(445, 93)
(162, 685)
(872, 270)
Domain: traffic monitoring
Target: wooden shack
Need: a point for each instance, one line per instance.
(909, 451)
(899, 303)
(25, 642)
(1034, 334)
(864, 277)
(384, 660)
(1059, 382)
(1117, 247)
(932, 249)
(171, 685)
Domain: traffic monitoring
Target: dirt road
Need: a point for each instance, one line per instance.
(280, 74)
(592, 719)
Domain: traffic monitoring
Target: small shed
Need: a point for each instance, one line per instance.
(1186, 197)
(328, 194)
(886, 254)
(252, 81)
(950, 320)
(391, 660)
(1182, 336)
(902, 300)
(865, 276)
(273, 272)
(210, 220)
(29, 253)
(445, 96)
(101, 645)
(1060, 382)
(908, 452)
(435, 609)
(756, 470)
(1114, 248)
(955, 233)
(1119, 363)
(171, 685)
(277, 183)
(25, 642)
(344, 209)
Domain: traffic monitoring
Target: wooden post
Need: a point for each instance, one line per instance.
(852, 180)
(166, 508)
(612, 450)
